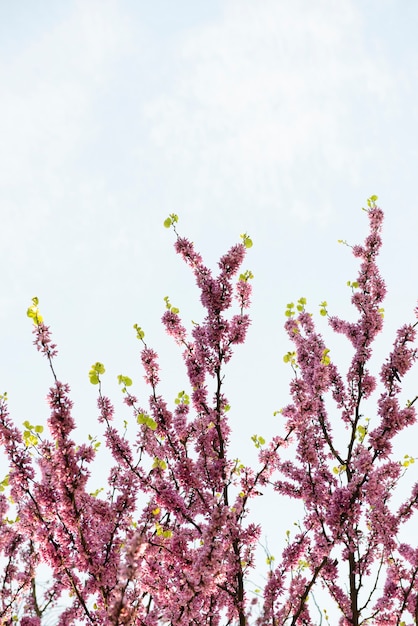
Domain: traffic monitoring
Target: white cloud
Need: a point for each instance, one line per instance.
(269, 105)
(51, 87)
(51, 84)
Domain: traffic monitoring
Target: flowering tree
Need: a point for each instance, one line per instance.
(169, 542)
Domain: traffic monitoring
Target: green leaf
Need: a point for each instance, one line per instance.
(246, 276)
(33, 312)
(258, 441)
(168, 222)
(94, 379)
(323, 311)
(246, 240)
(325, 360)
(142, 418)
(4, 483)
(371, 201)
(29, 439)
(290, 357)
(139, 332)
(124, 380)
(159, 464)
(96, 369)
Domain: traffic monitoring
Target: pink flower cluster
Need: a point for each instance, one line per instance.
(167, 541)
(346, 485)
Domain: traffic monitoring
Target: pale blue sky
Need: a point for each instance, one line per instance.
(274, 118)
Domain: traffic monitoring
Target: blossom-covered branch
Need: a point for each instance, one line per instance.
(349, 540)
(167, 541)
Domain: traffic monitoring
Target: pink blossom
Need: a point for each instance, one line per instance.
(243, 293)
(173, 326)
(149, 361)
(232, 260)
(168, 540)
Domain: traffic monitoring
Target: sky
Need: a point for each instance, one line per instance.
(277, 119)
